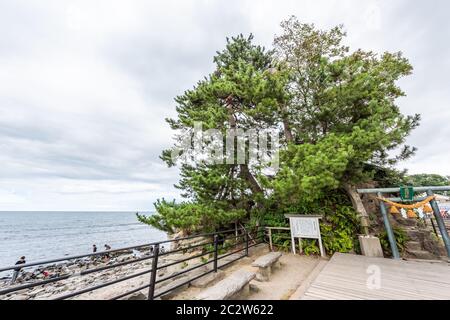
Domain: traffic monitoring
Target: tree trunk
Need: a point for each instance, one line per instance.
(287, 129)
(244, 170)
(248, 176)
(359, 206)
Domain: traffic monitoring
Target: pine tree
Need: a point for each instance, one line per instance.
(241, 94)
(342, 118)
(335, 112)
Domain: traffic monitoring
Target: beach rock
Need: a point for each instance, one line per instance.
(161, 273)
(172, 258)
(137, 296)
(191, 242)
(125, 258)
(20, 292)
(37, 292)
(50, 289)
(20, 297)
(195, 253)
(179, 234)
(76, 283)
(44, 296)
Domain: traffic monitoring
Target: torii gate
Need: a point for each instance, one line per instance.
(429, 190)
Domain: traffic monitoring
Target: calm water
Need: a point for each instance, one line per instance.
(43, 235)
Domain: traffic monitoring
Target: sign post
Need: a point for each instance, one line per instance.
(305, 226)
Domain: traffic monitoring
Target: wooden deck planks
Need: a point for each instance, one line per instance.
(345, 277)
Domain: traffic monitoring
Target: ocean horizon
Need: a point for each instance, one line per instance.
(41, 235)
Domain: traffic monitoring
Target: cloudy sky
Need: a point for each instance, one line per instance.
(85, 86)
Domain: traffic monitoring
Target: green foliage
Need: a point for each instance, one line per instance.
(282, 241)
(308, 169)
(339, 231)
(208, 248)
(339, 226)
(400, 237)
(422, 180)
(343, 98)
(335, 111)
(242, 93)
(388, 177)
(190, 217)
(226, 246)
(310, 247)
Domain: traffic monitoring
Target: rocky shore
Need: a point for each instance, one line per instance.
(75, 282)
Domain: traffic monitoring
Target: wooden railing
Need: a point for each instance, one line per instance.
(269, 233)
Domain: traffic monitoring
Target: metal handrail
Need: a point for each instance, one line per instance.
(182, 284)
(154, 267)
(204, 274)
(76, 274)
(102, 253)
(102, 285)
(165, 253)
(184, 260)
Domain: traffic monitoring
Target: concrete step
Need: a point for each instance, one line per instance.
(414, 234)
(421, 254)
(438, 260)
(406, 223)
(413, 245)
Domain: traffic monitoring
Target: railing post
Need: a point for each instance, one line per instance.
(440, 222)
(434, 227)
(216, 248)
(246, 242)
(151, 289)
(270, 239)
(389, 232)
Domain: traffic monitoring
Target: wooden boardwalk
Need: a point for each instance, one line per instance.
(345, 277)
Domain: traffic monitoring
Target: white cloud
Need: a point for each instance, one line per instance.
(85, 87)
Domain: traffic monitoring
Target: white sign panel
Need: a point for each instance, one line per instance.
(305, 227)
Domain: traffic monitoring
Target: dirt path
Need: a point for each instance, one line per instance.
(285, 281)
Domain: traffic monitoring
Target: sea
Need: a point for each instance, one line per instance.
(47, 235)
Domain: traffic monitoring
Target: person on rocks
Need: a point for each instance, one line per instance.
(17, 270)
(94, 250)
(106, 255)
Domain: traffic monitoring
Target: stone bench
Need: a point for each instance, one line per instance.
(234, 286)
(265, 264)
